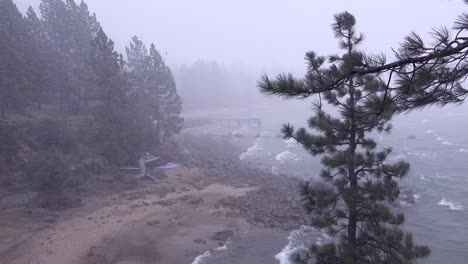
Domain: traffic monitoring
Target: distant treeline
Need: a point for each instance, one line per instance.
(62, 63)
(209, 85)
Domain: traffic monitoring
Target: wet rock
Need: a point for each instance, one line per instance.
(184, 189)
(165, 203)
(195, 200)
(222, 235)
(153, 222)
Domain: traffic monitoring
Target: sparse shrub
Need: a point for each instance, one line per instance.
(50, 172)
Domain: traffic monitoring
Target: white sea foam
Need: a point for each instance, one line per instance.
(398, 157)
(440, 139)
(267, 134)
(286, 156)
(404, 203)
(430, 131)
(416, 196)
(452, 205)
(445, 142)
(274, 170)
(424, 178)
(241, 132)
(291, 143)
(201, 258)
(299, 240)
(255, 150)
(418, 154)
(464, 150)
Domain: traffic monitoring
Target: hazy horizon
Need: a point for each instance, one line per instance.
(263, 36)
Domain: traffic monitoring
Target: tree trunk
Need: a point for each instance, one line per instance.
(353, 181)
(158, 134)
(3, 111)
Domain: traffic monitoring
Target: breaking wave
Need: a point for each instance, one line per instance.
(255, 150)
(451, 205)
(291, 143)
(299, 240)
(201, 258)
(286, 156)
(398, 157)
(445, 142)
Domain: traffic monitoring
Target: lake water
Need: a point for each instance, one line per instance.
(435, 142)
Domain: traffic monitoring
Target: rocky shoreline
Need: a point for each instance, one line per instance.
(275, 203)
(214, 197)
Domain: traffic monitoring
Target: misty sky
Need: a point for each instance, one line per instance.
(262, 35)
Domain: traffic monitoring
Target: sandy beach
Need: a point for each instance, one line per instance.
(194, 210)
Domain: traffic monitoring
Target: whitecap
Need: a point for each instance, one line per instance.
(452, 205)
(201, 258)
(416, 196)
(254, 151)
(440, 139)
(418, 154)
(398, 157)
(241, 132)
(274, 170)
(430, 131)
(424, 178)
(447, 143)
(404, 203)
(299, 240)
(286, 156)
(291, 143)
(463, 150)
(267, 134)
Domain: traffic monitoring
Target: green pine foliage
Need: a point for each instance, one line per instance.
(14, 90)
(353, 201)
(60, 64)
(114, 114)
(154, 85)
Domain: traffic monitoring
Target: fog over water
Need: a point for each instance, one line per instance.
(248, 38)
(217, 51)
(262, 35)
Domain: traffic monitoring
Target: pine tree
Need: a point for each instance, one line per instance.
(422, 73)
(353, 201)
(138, 66)
(13, 88)
(70, 29)
(40, 72)
(154, 86)
(118, 136)
(168, 102)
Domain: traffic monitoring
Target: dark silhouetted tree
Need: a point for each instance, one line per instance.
(13, 76)
(154, 86)
(70, 29)
(118, 136)
(168, 104)
(421, 74)
(353, 200)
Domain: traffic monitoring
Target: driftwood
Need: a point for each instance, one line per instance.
(146, 161)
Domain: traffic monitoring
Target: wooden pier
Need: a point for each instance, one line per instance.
(237, 122)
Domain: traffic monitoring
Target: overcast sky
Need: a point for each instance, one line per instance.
(262, 34)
